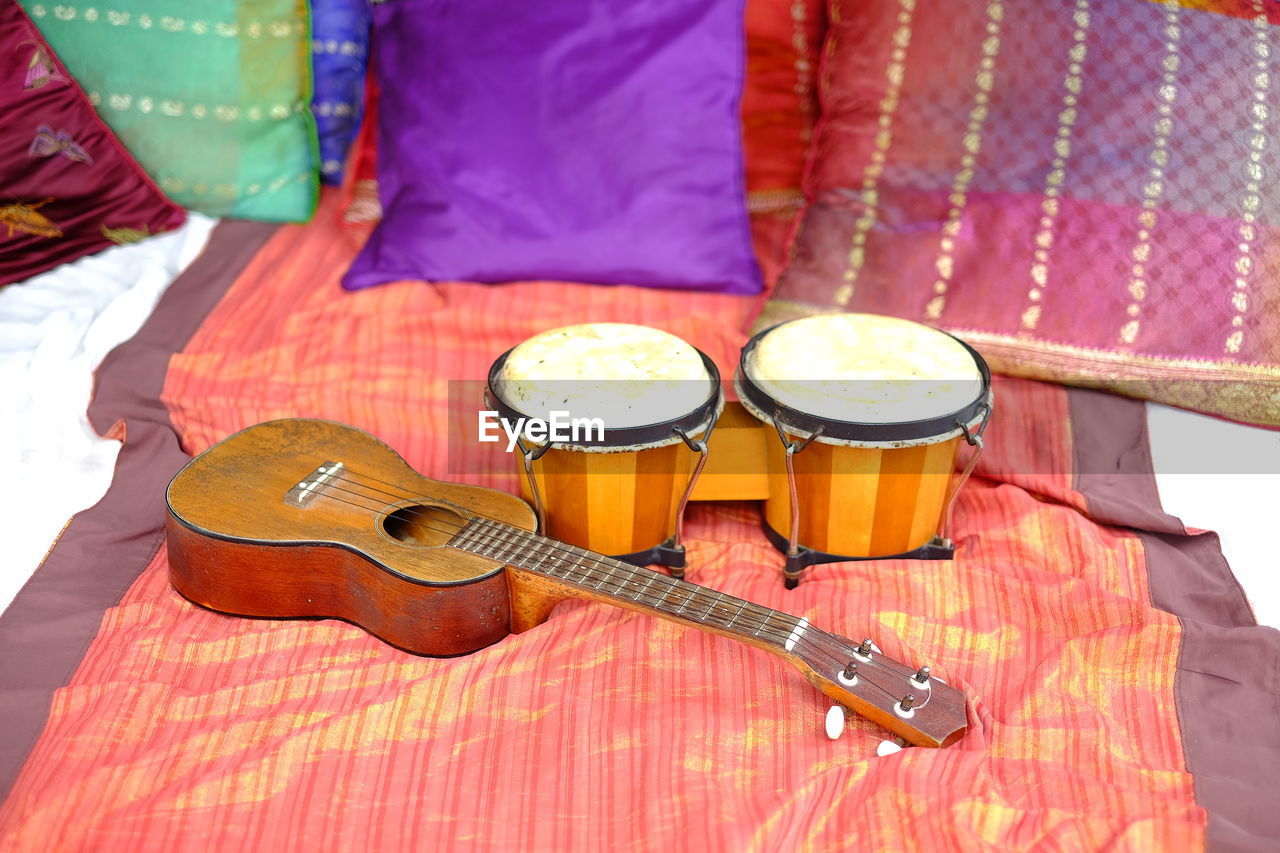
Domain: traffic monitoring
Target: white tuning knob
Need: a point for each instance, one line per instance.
(887, 747)
(835, 722)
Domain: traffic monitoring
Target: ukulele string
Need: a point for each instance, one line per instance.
(701, 595)
(697, 595)
(699, 592)
(900, 669)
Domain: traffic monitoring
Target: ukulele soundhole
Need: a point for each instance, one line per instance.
(423, 524)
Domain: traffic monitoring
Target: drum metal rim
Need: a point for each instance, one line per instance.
(627, 439)
(860, 433)
(898, 444)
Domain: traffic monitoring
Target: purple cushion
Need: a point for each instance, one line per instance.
(581, 140)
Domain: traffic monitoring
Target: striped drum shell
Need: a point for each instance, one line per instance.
(613, 503)
(870, 487)
(620, 494)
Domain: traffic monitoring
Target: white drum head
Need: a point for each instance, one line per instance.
(865, 368)
(627, 375)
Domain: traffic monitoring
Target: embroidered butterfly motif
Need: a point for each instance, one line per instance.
(41, 70)
(48, 143)
(21, 216)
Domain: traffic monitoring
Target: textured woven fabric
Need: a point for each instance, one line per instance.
(67, 187)
(359, 201)
(212, 97)
(339, 54)
(603, 729)
(780, 96)
(1084, 190)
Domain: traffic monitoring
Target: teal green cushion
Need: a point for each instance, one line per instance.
(214, 104)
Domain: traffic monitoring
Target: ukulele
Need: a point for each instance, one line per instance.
(313, 518)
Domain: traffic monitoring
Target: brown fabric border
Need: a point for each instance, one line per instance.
(1227, 682)
(49, 625)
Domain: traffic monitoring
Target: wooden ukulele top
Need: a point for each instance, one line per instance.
(239, 492)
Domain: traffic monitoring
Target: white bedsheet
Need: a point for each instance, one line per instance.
(55, 329)
(1225, 477)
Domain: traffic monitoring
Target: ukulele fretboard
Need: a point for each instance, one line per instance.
(614, 579)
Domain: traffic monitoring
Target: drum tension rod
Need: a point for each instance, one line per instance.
(530, 455)
(699, 446)
(943, 537)
(795, 561)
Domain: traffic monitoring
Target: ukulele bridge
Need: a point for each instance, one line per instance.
(303, 493)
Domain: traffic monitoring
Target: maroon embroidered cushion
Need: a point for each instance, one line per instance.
(67, 187)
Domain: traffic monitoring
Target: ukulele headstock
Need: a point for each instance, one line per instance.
(908, 701)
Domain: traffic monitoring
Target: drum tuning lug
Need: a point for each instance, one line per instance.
(835, 721)
(672, 554)
(794, 567)
(939, 548)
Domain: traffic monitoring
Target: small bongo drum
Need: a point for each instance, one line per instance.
(869, 413)
(647, 403)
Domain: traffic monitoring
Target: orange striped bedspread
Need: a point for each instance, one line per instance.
(603, 729)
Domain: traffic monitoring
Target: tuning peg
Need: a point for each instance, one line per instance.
(921, 676)
(866, 647)
(889, 747)
(907, 702)
(835, 722)
(849, 675)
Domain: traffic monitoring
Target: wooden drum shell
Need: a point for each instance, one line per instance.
(861, 501)
(619, 492)
(616, 503)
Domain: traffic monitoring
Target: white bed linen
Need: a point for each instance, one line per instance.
(55, 329)
(1216, 475)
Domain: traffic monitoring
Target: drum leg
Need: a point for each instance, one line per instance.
(805, 557)
(667, 554)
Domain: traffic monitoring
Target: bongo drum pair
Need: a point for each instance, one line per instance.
(864, 416)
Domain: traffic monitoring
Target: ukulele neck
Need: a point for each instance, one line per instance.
(586, 574)
(910, 703)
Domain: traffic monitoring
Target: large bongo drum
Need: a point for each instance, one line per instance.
(869, 414)
(620, 489)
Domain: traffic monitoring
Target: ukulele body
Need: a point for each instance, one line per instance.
(369, 547)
